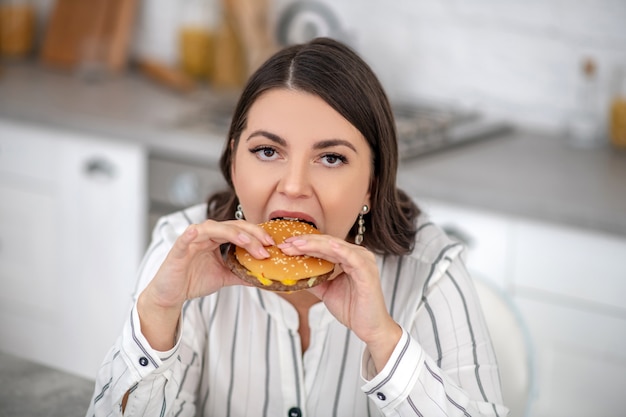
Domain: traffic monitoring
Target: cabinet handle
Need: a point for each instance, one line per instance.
(100, 169)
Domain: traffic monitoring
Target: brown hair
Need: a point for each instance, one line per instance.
(335, 73)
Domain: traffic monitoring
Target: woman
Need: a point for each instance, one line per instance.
(398, 331)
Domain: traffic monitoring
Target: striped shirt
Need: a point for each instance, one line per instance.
(238, 351)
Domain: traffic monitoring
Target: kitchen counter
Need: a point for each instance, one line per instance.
(526, 173)
(531, 175)
(29, 389)
(127, 107)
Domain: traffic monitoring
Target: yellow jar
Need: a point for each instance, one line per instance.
(617, 111)
(617, 122)
(196, 37)
(196, 51)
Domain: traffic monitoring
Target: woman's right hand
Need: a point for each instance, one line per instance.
(194, 268)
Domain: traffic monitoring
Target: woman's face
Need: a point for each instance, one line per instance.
(299, 158)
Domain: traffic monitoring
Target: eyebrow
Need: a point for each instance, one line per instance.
(327, 143)
(334, 142)
(268, 135)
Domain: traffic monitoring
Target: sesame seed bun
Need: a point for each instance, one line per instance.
(280, 272)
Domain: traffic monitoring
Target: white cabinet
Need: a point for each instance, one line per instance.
(568, 285)
(574, 265)
(580, 359)
(72, 232)
(485, 235)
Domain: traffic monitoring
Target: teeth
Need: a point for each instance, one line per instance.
(288, 218)
(295, 219)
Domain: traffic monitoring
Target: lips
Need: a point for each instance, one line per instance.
(293, 215)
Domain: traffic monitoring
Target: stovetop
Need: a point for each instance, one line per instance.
(422, 129)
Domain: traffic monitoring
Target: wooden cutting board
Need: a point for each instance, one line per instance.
(93, 31)
(251, 19)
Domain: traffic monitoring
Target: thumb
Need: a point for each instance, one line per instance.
(181, 245)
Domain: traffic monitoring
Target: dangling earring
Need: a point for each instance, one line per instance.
(358, 239)
(239, 212)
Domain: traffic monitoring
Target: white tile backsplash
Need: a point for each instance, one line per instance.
(517, 59)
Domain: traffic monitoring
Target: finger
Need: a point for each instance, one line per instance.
(243, 234)
(181, 245)
(255, 230)
(353, 259)
(237, 231)
(319, 246)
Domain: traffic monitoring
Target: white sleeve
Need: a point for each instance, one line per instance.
(133, 366)
(152, 378)
(444, 363)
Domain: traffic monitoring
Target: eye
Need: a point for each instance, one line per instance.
(333, 160)
(265, 153)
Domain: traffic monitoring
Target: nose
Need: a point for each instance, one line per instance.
(295, 181)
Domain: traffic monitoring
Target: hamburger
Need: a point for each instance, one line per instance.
(280, 272)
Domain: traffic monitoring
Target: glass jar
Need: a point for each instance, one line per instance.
(197, 37)
(584, 128)
(617, 113)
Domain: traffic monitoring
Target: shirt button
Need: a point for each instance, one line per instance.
(294, 412)
(143, 361)
(381, 396)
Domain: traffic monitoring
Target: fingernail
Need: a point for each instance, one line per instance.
(269, 240)
(264, 253)
(298, 242)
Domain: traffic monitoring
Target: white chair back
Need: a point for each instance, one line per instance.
(512, 346)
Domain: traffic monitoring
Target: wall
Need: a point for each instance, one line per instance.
(516, 58)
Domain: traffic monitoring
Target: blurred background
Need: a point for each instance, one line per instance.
(511, 118)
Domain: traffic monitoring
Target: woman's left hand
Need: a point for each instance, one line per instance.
(355, 295)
